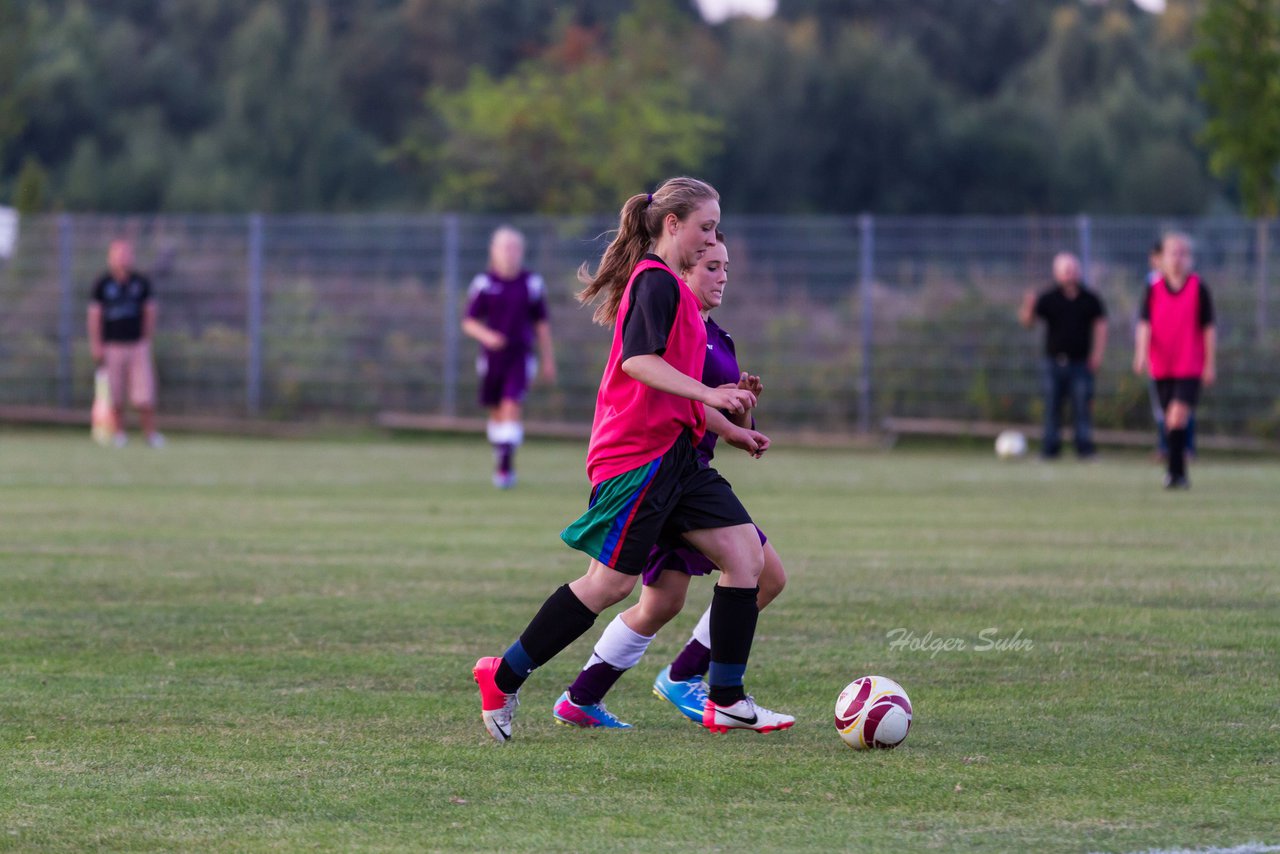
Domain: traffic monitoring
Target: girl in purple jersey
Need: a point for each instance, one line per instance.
(672, 564)
(507, 314)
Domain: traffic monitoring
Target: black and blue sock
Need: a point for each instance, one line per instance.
(560, 621)
(733, 627)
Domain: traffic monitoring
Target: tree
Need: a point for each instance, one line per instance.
(1239, 53)
(577, 130)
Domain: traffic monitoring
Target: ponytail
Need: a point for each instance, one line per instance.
(639, 225)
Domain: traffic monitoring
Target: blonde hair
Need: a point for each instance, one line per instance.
(639, 225)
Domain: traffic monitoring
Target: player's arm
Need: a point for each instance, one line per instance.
(1142, 335)
(94, 323)
(646, 327)
(1210, 375)
(1027, 311)
(1141, 345)
(1099, 344)
(150, 314)
(750, 383)
(546, 350)
(752, 441)
(1207, 323)
(490, 339)
(657, 373)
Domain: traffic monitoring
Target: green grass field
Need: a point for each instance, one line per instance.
(254, 645)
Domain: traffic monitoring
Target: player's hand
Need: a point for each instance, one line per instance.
(732, 400)
(96, 354)
(1139, 364)
(495, 341)
(753, 442)
(1210, 375)
(751, 383)
(1095, 364)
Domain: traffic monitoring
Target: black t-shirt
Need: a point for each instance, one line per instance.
(122, 304)
(1206, 303)
(655, 298)
(1069, 322)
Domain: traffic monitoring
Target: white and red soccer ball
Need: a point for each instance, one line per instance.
(873, 712)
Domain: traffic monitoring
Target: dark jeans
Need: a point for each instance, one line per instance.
(1063, 379)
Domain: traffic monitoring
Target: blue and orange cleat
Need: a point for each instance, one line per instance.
(689, 697)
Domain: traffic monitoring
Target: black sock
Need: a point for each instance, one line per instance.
(733, 627)
(1178, 453)
(560, 621)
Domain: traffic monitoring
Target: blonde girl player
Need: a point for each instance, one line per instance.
(671, 565)
(506, 312)
(1176, 343)
(652, 409)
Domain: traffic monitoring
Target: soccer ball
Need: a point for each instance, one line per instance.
(1010, 444)
(873, 712)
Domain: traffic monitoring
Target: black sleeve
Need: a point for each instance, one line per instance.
(1144, 312)
(651, 314)
(1206, 306)
(1100, 308)
(1042, 305)
(96, 296)
(147, 292)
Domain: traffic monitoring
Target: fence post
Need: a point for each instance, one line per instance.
(66, 307)
(866, 272)
(449, 282)
(1084, 226)
(1263, 250)
(253, 317)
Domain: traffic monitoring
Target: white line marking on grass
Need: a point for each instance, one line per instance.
(1246, 848)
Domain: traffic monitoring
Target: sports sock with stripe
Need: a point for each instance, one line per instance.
(560, 621)
(695, 658)
(733, 627)
(619, 649)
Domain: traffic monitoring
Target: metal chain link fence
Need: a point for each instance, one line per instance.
(850, 320)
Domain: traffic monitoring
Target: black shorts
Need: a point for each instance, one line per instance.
(629, 514)
(1186, 390)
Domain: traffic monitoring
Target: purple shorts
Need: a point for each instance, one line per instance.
(684, 559)
(504, 376)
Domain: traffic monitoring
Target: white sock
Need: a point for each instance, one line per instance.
(619, 646)
(494, 432)
(702, 631)
(516, 436)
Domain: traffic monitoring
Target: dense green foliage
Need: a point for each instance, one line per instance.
(255, 646)
(964, 106)
(1240, 53)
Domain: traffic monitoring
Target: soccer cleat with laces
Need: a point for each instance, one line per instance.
(594, 716)
(744, 714)
(689, 697)
(496, 707)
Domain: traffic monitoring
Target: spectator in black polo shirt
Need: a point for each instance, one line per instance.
(1075, 338)
(122, 322)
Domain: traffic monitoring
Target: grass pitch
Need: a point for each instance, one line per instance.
(251, 645)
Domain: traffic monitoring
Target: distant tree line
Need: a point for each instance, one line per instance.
(833, 106)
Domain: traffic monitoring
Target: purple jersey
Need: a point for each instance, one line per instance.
(719, 368)
(509, 306)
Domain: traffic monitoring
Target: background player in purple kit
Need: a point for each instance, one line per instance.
(506, 311)
(671, 564)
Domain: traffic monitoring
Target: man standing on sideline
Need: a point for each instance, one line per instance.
(1075, 339)
(122, 324)
(1177, 342)
(506, 311)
